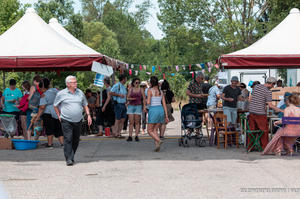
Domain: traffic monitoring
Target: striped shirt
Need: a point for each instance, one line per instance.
(261, 95)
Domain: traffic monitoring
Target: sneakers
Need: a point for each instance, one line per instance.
(49, 146)
(129, 139)
(137, 138)
(69, 163)
(157, 146)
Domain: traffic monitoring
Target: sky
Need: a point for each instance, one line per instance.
(151, 26)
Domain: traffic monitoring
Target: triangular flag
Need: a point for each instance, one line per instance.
(190, 67)
(132, 66)
(198, 65)
(130, 72)
(183, 67)
(217, 66)
(202, 66)
(145, 67)
(164, 76)
(193, 74)
(141, 68)
(153, 69)
(127, 66)
(177, 68)
(136, 73)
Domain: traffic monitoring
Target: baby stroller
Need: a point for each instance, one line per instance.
(8, 125)
(191, 126)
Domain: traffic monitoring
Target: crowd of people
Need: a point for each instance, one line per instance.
(258, 102)
(143, 104)
(41, 108)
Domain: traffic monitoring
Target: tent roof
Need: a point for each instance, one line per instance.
(31, 44)
(278, 48)
(53, 23)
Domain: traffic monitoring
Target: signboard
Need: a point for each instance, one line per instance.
(99, 80)
(222, 79)
(102, 69)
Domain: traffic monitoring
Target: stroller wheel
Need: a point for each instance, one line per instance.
(200, 142)
(186, 142)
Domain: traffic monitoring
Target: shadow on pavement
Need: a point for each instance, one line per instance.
(94, 150)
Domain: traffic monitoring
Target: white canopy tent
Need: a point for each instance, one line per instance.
(32, 45)
(53, 23)
(280, 48)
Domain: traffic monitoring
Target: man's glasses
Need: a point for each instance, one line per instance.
(137, 82)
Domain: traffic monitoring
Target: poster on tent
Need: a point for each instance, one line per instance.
(99, 80)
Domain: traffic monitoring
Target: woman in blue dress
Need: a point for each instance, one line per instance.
(157, 111)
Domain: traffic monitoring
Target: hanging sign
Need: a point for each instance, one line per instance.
(102, 69)
(99, 80)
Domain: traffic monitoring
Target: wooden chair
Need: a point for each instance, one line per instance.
(222, 129)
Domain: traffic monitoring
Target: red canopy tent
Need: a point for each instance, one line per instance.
(280, 48)
(32, 45)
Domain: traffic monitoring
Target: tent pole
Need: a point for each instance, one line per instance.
(3, 79)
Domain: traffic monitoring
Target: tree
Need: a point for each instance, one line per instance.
(10, 12)
(100, 38)
(229, 23)
(63, 11)
(181, 85)
(92, 10)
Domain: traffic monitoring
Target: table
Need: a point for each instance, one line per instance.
(220, 110)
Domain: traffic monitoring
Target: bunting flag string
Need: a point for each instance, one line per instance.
(135, 69)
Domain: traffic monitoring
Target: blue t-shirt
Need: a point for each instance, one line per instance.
(10, 95)
(212, 96)
(119, 88)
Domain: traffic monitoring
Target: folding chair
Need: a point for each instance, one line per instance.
(253, 135)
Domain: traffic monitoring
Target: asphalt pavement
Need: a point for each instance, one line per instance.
(113, 168)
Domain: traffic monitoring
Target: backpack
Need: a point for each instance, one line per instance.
(35, 99)
(23, 103)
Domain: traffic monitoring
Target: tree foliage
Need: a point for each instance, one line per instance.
(10, 12)
(63, 11)
(196, 31)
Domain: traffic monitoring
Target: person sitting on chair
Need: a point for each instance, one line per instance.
(292, 131)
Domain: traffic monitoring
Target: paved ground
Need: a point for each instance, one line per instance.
(108, 168)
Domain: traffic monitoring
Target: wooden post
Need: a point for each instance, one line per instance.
(3, 80)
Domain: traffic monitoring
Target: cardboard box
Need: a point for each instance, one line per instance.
(278, 93)
(6, 143)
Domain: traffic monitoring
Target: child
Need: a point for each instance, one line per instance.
(37, 126)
